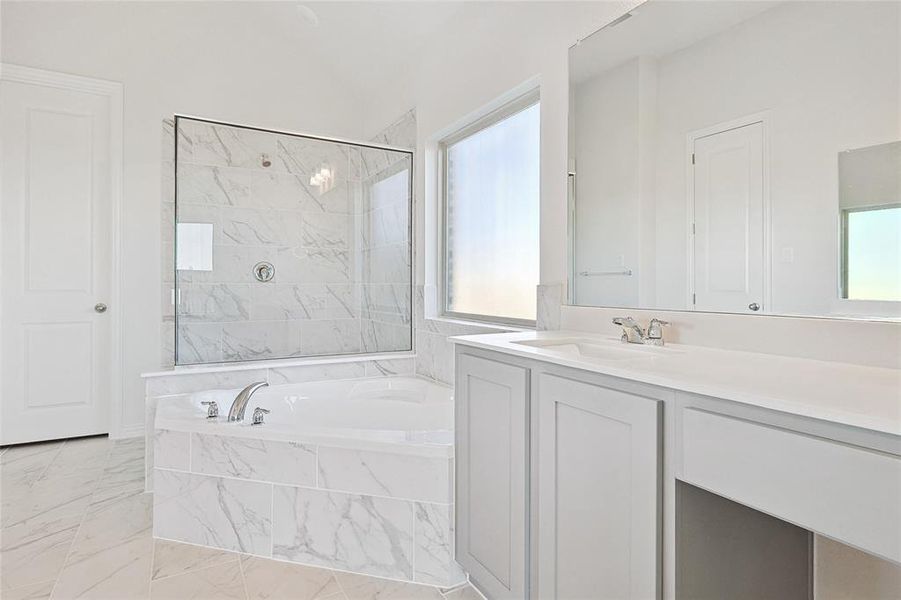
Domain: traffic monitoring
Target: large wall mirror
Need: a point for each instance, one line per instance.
(740, 157)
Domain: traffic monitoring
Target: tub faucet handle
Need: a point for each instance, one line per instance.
(212, 409)
(258, 414)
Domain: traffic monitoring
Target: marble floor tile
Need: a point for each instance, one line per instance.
(112, 554)
(123, 475)
(35, 551)
(46, 499)
(22, 465)
(37, 591)
(220, 582)
(174, 558)
(360, 587)
(272, 580)
(466, 592)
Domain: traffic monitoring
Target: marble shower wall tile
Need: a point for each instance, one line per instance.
(434, 535)
(306, 373)
(262, 460)
(214, 302)
(385, 337)
(434, 353)
(285, 302)
(213, 511)
(344, 531)
(199, 343)
(397, 366)
(220, 186)
(256, 340)
(334, 336)
(385, 474)
(324, 244)
(389, 303)
(549, 299)
(435, 357)
(401, 133)
(226, 146)
(186, 383)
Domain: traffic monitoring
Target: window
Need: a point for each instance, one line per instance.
(491, 193)
(872, 253)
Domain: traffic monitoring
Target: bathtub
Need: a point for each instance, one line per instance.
(355, 475)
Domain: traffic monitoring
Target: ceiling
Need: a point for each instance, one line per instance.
(353, 43)
(658, 28)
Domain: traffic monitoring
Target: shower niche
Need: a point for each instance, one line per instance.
(287, 245)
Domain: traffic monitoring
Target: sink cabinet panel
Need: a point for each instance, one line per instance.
(599, 485)
(492, 423)
(558, 481)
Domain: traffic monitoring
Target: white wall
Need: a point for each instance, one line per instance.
(489, 52)
(486, 51)
(195, 58)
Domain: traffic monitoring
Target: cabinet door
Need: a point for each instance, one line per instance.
(598, 487)
(491, 465)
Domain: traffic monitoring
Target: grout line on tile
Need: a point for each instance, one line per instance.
(84, 516)
(243, 578)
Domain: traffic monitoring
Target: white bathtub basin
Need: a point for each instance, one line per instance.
(405, 412)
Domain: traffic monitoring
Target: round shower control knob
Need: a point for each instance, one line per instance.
(263, 271)
(754, 306)
(100, 307)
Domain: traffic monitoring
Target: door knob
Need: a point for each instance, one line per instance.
(754, 306)
(100, 307)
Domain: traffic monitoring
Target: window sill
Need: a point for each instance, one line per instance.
(499, 327)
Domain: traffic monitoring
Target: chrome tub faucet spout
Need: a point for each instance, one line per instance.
(236, 412)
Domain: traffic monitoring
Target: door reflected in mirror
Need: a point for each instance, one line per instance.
(739, 157)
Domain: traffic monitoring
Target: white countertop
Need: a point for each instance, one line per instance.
(848, 394)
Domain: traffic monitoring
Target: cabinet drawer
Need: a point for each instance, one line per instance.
(844, 492)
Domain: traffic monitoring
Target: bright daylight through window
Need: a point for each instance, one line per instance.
(491, 192)
(873, 254)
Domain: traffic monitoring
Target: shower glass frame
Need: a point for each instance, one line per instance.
(409, 159)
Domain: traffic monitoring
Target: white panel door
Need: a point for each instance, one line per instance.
(56, 262)
(492, 425)
(728, 221)
(598, 492)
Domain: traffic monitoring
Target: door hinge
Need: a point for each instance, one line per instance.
(694, 299)
(692, 158)
(693, 230)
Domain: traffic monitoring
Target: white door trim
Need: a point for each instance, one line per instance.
(764, 118)
(113, 91)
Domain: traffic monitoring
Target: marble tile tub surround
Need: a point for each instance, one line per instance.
(234, 377)
(77, 525)
(364, 511)
(341, 251)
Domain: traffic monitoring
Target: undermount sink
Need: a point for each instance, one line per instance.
(592, 348)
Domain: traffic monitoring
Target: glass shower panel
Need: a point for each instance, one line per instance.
(310, 245)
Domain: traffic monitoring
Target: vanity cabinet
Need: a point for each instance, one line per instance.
(598, 491)
(492, 494)
(558, 480)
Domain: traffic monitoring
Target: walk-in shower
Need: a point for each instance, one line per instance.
(288, 245)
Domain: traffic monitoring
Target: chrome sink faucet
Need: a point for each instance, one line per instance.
(236, 412)
(634, 334)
